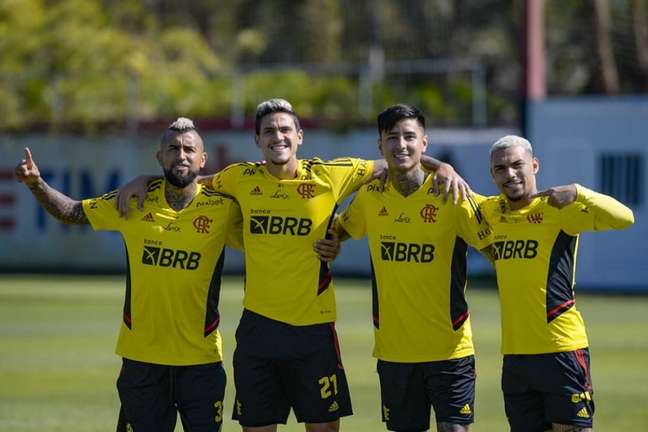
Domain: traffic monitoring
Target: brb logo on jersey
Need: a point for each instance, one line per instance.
(511, 249)
(280, 225)
(406, 252)
(163, 257)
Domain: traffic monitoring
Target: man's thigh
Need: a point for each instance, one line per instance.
(200, 390)
(261, 398)
(540, 390)
(145, 392)
(314, 378)
(568, 391)
(450, 385)
(278, 366)
(405, 405)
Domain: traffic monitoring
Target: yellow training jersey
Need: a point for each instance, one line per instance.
(418, 250)
(535, 259)
(175, 259)
(285, 280)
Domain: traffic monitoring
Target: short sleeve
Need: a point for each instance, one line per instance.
(102, 212)
(234, 235)
(353, 220)
(471, 223)
(224, 181)
(347, 175)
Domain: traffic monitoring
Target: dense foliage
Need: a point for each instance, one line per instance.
(92, 63)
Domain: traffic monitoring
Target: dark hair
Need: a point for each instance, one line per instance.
(395, 113)
(272, 106)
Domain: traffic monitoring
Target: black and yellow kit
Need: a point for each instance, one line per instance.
(418, 248)
(535, 259)
(285, 280)
(175, 259)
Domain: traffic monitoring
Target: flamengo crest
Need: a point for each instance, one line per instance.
(202, 223)
(429, 213)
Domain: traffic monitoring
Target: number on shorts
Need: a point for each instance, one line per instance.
(326, 382)
(219, 411)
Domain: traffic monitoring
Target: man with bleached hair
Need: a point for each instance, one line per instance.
(546, 377)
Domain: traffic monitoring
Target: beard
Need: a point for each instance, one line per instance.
(180, 181)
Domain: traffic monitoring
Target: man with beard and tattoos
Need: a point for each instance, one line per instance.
(169, 338)
(418, 244)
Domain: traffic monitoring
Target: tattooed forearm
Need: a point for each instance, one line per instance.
(61, 206)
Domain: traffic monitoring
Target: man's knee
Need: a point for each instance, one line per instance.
(569, 428)
(333, 426)
(451, 427)
(270, 428)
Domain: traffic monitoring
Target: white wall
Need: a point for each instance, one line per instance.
(570, 135)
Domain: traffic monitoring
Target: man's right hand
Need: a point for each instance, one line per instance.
(26, 171)
(135, 188)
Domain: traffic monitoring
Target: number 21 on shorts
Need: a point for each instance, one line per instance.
(327, 384)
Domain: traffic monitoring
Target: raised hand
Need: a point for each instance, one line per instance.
(559, 196)
(26, 171)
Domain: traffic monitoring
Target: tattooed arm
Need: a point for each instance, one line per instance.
(62, 207)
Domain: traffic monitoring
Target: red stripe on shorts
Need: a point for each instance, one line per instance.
(580, 358)
(337, 346)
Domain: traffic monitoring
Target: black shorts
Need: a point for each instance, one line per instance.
(409, 390)
(278, 366)
(151, 396)
(542, 389)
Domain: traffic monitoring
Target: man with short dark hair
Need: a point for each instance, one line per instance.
(418, 244)
(169, 338)
(546, 371)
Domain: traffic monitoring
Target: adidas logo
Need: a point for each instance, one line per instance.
(577, 397)
(256, 191)
(148, 218)
(334, 407)
(385, 413)
(383, 212)
(583, 413)
(465, 410)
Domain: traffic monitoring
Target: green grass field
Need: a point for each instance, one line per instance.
(58, 367)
